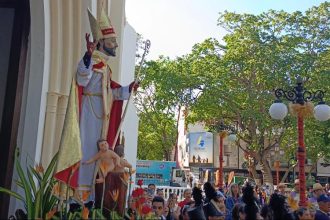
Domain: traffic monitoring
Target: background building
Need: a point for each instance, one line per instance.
(323, 171)
(41, 42)
(234, 157)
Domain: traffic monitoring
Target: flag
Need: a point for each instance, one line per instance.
(230, 177)
(70, 146)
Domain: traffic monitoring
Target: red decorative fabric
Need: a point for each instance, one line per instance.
(98, 65)
(115, 117)
(80, 94)
(64, 176)
(108, 31)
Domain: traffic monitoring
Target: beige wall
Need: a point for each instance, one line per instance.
(65, 51)
(323, 168)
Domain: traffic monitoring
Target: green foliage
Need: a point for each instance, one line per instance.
(156, 136)
(38, 199)
(114, 215)
(235, 82)
(262, 52)
(165, 89)
(38, 196)
(93, 214)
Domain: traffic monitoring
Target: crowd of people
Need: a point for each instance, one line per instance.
(246, 202)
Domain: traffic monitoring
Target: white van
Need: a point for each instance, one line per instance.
(180, 177)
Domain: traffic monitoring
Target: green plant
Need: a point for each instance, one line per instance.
(37, 185)
(39, 200)
(82, 213)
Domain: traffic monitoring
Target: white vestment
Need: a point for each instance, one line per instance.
(92, 117)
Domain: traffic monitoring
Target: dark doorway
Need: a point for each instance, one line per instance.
(14, 33)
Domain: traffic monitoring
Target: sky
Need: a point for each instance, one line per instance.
(174, 26)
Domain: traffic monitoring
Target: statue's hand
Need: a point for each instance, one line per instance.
(90, 45)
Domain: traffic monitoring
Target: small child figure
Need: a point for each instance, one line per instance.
(108, 160)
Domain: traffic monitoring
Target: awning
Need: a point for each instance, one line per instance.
(323, 174)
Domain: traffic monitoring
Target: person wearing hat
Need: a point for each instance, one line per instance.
(100, 112)
(322, 213)
(281, 188)
(318, 190)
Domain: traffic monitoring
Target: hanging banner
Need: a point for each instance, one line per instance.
(230, 177)
(200, 149)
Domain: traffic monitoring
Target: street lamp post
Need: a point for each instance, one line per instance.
(223, 131)
(301, 107)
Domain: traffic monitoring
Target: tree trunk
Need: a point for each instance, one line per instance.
(266, 172)
(285, 175)
(313, 168)
(253, 170)
(252, 166)
(167, 155)
(288, 171)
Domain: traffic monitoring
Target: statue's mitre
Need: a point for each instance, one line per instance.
(101, 28)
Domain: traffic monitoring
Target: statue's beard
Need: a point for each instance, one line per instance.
(109, 51)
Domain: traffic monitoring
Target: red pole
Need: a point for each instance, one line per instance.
(301, 162)
(221, 161)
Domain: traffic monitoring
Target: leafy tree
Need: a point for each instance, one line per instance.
(260, 53)
(235, 82)
(156, 136)
(164, 90)
(166, 87)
